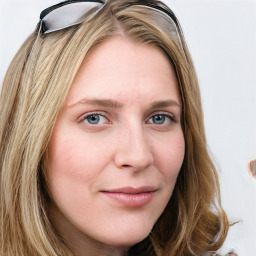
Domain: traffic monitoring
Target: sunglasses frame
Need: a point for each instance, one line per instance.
(48, 28)
(56, 6)
(48, 24)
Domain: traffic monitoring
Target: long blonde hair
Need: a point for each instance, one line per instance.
(34, 89)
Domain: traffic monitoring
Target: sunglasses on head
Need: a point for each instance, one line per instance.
(74, 12)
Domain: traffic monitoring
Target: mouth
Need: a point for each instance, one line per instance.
(130, 196)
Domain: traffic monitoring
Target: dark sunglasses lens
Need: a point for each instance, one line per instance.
(69, 15)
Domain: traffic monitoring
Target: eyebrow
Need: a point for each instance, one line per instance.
(99, 102)
(117, 105)
(165, 103)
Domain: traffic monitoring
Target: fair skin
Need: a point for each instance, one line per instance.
(116, 149)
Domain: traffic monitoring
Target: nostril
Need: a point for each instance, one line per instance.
(137, 156)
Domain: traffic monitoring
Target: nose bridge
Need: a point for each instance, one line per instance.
(134, 149)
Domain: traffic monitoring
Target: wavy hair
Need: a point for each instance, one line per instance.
(34, 89)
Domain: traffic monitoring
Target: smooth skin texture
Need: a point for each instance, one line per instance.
(120, 127)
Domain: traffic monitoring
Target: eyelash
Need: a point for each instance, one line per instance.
(166, 116)
(85, 117)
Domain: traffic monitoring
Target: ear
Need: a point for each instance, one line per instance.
(252, 167)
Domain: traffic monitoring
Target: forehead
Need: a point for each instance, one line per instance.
(120, 67)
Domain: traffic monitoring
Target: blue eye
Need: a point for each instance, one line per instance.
(95, 119)
(160, 119)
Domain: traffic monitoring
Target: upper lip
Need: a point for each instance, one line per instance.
(132, 190)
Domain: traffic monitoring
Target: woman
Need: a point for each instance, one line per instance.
(103, 149)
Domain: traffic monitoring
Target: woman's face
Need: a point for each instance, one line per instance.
(116, 149)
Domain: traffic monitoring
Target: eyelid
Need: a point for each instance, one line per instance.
(164, 113)
(86, 115)
(106, 115)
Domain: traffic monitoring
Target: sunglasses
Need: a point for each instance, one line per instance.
(74, 12)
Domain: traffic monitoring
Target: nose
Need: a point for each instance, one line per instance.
(133, 150)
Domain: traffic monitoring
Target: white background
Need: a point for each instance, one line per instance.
(221, 35)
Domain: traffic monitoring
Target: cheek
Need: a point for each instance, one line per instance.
(75, 163)
(65, 173)
(170, 157)
(74, 155)
(72, 171)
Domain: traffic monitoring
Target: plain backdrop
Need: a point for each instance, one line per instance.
(221, 36)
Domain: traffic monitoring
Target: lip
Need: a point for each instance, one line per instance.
(131, 196)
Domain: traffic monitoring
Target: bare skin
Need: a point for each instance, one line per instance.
(116, 149)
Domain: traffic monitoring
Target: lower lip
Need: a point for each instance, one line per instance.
(131, 200)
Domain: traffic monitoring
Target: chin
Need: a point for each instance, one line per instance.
(128, 238)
